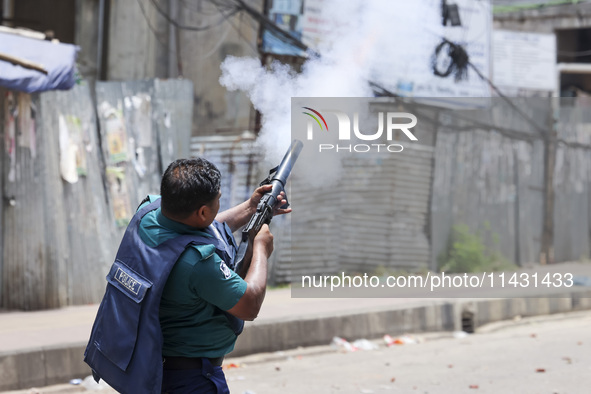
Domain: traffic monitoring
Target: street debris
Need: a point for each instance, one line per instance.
(364, 344)
(460, 334)
(568, 360)
(473, 386)
(230, 366)
(392, 380)
(540, 370)
(342, 344)
(75, 382)
(533, 335)
(402, 340)
(359, 344)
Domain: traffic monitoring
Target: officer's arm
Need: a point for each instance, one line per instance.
(249, 305)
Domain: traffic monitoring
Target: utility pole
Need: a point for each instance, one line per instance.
(547, 246)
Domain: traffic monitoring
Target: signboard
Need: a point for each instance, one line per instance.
(287, 14)
(524, 60)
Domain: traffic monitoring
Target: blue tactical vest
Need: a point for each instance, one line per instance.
(125, 346)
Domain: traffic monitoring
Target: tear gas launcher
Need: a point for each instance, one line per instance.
(264, 212)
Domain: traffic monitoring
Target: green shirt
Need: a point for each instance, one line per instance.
(192, 325)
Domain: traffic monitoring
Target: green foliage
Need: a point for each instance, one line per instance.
(467, 253)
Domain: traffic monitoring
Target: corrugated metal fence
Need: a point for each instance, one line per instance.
(69, 188)
(380, 203)
(374, 218)
(572, 213)
(489, 175)
(484, 168)
(238, 161)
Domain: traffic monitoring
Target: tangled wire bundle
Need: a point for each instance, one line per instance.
(456, 62)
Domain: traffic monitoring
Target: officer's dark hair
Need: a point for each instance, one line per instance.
(188, 184)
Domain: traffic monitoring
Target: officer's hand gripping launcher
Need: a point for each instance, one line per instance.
(264, 213)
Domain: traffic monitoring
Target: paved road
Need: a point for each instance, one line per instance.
(539, 355)
(548, 354)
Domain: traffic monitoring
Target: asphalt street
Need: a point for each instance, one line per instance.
(550, 354)
(545, 354)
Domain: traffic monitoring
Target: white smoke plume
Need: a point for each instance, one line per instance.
(379, 40)
(341, 71)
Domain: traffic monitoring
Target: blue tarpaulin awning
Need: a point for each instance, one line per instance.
(58, 59)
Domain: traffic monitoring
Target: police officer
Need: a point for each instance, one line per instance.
(201, 283)
(174, 306)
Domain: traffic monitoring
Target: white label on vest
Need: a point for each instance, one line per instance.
(127, 281)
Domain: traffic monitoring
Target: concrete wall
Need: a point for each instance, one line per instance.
(61, 220)
(87, 37)
(133, 47)
(545, 19)
(142, 44)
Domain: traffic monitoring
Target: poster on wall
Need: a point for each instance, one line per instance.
(140, 108)
(73, 156)
(77, 139)
(26, 123)
(67, 152)
(116, 133)
(10, 112)
(119, 196)
(524, 61)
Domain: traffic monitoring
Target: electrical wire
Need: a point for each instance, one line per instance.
(380, 90)
(576, 53)
(187, 27)
(196, 7)
(526, 117)
(154, 31)
(220, 4)
(238, 30)
(273, 28)
(217, 45)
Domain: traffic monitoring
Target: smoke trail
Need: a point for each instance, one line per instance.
(341, 71)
